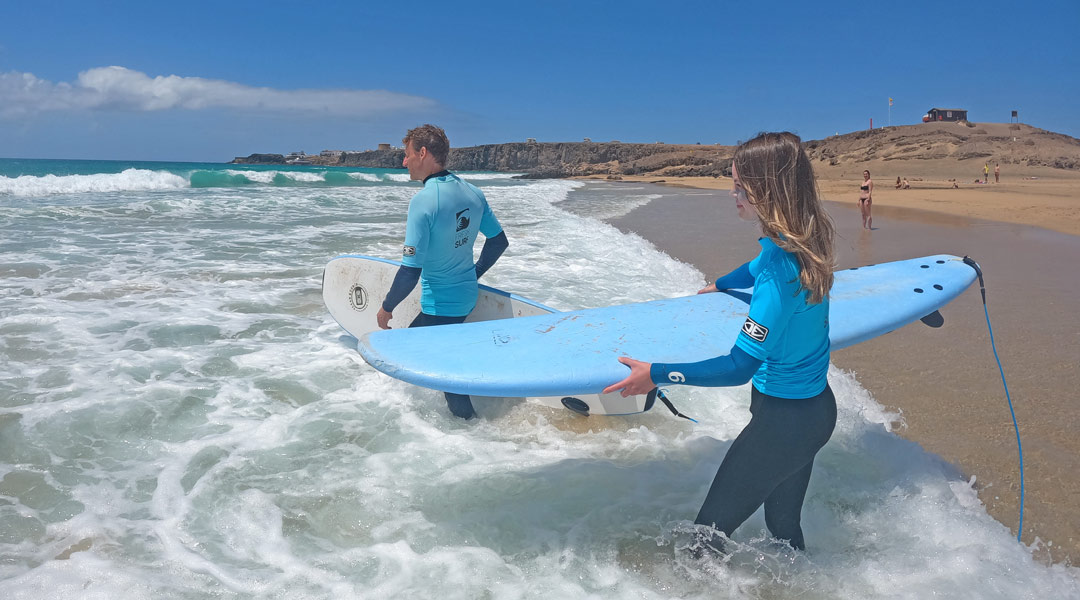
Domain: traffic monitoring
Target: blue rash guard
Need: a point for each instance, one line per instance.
(784, 342)
(444, 219)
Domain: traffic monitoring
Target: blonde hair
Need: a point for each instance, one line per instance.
(779, 182)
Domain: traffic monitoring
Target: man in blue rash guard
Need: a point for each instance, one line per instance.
(783, 346)
(443, 222)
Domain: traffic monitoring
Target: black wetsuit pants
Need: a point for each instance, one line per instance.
(770, 463)
(460, 404)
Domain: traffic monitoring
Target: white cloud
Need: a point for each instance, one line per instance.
(119, 88)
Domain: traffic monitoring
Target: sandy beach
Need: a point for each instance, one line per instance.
(1047, 198)
(945, 382)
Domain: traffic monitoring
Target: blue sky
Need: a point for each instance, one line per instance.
(210, 81)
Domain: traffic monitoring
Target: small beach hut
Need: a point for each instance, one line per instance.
(945, 114)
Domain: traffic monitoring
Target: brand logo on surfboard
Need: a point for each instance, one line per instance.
(358, 297)
(755, 331)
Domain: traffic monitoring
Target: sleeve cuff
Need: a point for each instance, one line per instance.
(659, 373)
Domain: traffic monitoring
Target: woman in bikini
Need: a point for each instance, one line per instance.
(866, 191)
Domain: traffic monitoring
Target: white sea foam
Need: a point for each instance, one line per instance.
(305, 176)
(128, 180)
(366, 177)
(264, 177)
(269, 177)
(610, 202)
(181, 418)
(476, 177)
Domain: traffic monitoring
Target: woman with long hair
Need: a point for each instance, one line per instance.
(866, 198)
(783, 346)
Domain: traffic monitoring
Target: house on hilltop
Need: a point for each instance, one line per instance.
(297, 158)
(945, 114)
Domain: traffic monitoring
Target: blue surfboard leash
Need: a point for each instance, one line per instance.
(982, 290)
(658, 393)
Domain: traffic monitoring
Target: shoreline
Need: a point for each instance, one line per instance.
(1048, 199)
(944, 382)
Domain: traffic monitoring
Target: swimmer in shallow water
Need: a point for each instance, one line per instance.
(866, 198)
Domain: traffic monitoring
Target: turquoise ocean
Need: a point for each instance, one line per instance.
(181, 418)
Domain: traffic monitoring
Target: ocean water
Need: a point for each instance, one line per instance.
(181, 418)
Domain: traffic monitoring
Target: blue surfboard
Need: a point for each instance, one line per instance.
(573, 353)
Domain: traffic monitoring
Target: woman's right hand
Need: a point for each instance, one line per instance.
(708, 290)
(637, 383)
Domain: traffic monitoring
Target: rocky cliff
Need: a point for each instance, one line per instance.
(943, 144)
(559, 159)
(259, 159)
(589, 158)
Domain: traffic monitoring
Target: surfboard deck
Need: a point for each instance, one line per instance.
(575, 353)
(353, 287)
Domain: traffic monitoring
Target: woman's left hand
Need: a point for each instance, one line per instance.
(638, 382)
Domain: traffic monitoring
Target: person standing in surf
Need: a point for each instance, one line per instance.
(783, 346)
(443, 221)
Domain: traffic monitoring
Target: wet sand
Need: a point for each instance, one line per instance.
(945, 381)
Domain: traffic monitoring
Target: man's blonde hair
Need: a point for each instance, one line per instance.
(431, 137)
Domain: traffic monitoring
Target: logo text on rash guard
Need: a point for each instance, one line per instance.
(755, 331)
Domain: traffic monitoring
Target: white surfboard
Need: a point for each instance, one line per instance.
(354, 287)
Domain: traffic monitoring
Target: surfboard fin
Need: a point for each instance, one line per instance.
(934, 319)
(576, 405)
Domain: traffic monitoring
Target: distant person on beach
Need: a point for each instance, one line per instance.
(897, 182)
(997, 173)
(866, 193)
(443, 221)
(905, 185)
(783, 347)
(986, 173)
